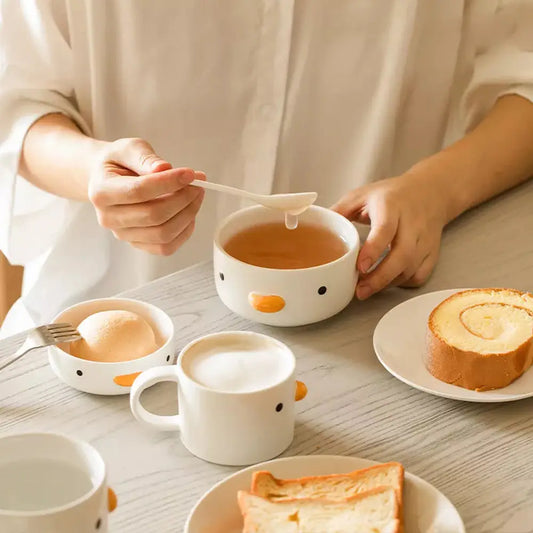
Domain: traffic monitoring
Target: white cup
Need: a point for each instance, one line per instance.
(288, 297)
(111, 378)
(50, 483)
(229, 428)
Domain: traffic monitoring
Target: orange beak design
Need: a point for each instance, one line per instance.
(301, 391)
(269, 303)
(126, 380)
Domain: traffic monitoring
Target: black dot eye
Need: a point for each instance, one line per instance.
(221, 276)
(168, 358)
(79, 372)
(98, 523)
(279, 407)
(322, 290)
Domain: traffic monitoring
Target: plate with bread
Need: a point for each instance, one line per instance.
(473, 344)
(324, 494)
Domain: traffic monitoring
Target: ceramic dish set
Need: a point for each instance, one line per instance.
(243, 428)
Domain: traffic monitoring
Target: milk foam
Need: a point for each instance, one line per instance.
(238, 366)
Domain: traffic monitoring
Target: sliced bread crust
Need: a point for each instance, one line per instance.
(332, 486)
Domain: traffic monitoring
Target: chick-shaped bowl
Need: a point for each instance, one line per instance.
(286, 297)
(112, 376)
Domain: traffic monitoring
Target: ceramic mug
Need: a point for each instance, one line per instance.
(111, 378)
(229, 428)
(50, 483)
(285, 297)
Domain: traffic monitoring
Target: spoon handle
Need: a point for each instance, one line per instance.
(223, 188)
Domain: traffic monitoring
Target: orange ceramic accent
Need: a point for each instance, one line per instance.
(266, 303)
(301, 391)
(126, 380)
(111, 500)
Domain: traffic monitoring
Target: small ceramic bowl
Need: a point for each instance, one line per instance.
(112, 378)
(285, 297)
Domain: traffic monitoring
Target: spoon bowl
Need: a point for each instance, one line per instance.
(292, 203)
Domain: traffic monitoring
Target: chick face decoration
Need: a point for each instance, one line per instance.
(55, 483)
(236, 397)
(285, 297)
(112, 378)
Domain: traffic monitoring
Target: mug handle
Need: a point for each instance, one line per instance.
(144, 381)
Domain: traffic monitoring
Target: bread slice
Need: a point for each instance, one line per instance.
(374, 511)
(481, 339)
(334, 487)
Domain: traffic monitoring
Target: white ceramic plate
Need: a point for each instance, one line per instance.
(426, 510)
(400, 341)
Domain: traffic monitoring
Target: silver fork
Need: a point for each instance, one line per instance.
(45, 336)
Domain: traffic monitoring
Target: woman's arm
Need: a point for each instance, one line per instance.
(409, 212)
(495, 156)
(136, 194)
(57, 157)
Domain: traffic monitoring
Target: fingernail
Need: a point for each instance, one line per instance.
(366, 264)
(189, 174)
(198, 174)
(364, 291)
(158, 163)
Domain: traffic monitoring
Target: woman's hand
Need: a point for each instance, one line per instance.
(407, 214)
(142, 199)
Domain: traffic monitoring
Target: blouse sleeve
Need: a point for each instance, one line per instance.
(496, 57)
(35, 80)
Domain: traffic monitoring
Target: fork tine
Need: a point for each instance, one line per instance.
(60, 331)
(69, 331)
(59, 338)
(59, 327)
(67, 338)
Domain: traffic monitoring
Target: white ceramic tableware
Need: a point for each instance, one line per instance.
(50, 483)
(400, 343)
(425, 509)
(112, 378)
(230, 428)
(293, 203)
(285, 297)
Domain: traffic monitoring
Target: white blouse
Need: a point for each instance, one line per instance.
(269, 95)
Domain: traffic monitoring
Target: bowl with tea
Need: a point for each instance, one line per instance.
(121, 338)
(270, 274)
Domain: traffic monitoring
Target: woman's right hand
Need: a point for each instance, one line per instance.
(142, 199)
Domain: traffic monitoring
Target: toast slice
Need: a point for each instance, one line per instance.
(374, 511)
(334, 487)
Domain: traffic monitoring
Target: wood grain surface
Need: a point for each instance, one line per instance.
(479, 455)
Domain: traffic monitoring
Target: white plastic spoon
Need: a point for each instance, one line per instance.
(292, 204)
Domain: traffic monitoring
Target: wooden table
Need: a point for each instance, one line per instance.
(479, 455)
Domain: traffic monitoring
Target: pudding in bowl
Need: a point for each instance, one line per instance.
(113, 336)
(121, 337)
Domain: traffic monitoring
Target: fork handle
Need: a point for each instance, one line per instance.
(23, 350)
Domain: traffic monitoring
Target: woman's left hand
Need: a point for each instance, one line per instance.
(407, 214)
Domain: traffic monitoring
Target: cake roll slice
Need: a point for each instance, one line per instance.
(481, 339)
